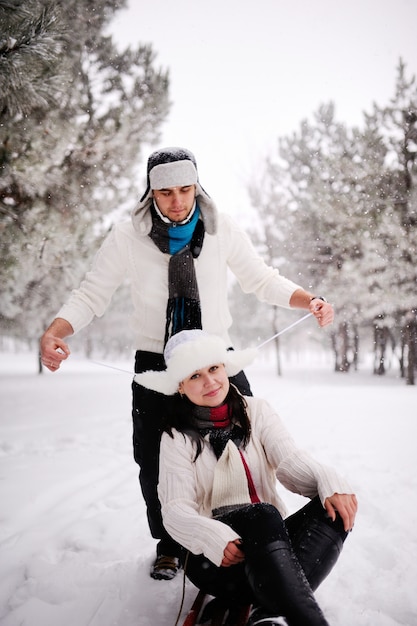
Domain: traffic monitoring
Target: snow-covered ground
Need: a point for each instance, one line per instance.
(75, 549)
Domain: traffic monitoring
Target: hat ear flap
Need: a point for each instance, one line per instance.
(208, 209)
(141, 215)
(157, 381)
(237, 360)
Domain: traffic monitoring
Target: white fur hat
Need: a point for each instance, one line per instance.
(189, 351)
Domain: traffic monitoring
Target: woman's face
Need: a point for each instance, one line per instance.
(208, 386)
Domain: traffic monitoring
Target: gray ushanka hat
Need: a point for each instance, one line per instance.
(172, 167)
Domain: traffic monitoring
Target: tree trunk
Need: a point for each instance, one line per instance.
(355, 348)
(410, 341)
(341, 347)
(380, 346)
(278, 356)
(276, 341)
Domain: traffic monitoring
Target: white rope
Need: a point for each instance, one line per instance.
(112, 367)
(284, 330)
(281, 332)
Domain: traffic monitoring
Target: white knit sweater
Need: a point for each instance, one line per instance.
(128, 254)
(185, 486)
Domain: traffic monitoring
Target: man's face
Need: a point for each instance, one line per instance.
(175, 203)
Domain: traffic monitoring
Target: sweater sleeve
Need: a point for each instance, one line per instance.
(96, 290)
(177, 490)
(296, 469)
(251, 271)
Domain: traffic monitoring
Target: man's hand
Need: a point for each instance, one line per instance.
(322, 311)
(53, 348)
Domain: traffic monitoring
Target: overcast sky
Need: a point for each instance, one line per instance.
(245, 72)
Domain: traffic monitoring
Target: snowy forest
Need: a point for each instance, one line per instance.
(335, 206)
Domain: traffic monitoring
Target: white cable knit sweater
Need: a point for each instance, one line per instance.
(185, 486)
(127, 253)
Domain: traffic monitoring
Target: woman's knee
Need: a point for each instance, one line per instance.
(313, 513)
(257, 524)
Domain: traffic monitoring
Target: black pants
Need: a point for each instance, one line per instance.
(149, 409)
(314, 538)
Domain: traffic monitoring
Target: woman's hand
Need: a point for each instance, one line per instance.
(233, 554)
(344, 504)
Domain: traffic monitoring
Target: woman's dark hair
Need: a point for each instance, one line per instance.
(182, 418)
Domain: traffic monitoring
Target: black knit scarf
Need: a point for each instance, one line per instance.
(183, 307)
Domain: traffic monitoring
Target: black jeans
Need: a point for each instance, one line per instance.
(315, 540)
(148, 411)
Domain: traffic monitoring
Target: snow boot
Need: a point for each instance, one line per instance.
(280, 585)
(165, 567)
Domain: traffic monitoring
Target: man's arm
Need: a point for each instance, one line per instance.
(53, 348)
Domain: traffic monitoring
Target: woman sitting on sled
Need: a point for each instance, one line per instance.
(220, 461)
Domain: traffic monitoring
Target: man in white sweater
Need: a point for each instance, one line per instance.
(176, 251)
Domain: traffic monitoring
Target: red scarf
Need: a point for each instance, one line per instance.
(219, 416)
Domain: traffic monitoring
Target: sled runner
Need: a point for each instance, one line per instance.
(208, 611)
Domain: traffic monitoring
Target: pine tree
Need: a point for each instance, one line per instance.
(325, 185)
(273, 234)
(394, 278)
(350, 219)
(75, 114)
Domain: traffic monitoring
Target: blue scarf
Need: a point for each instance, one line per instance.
(180, 234)
(183, 242)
